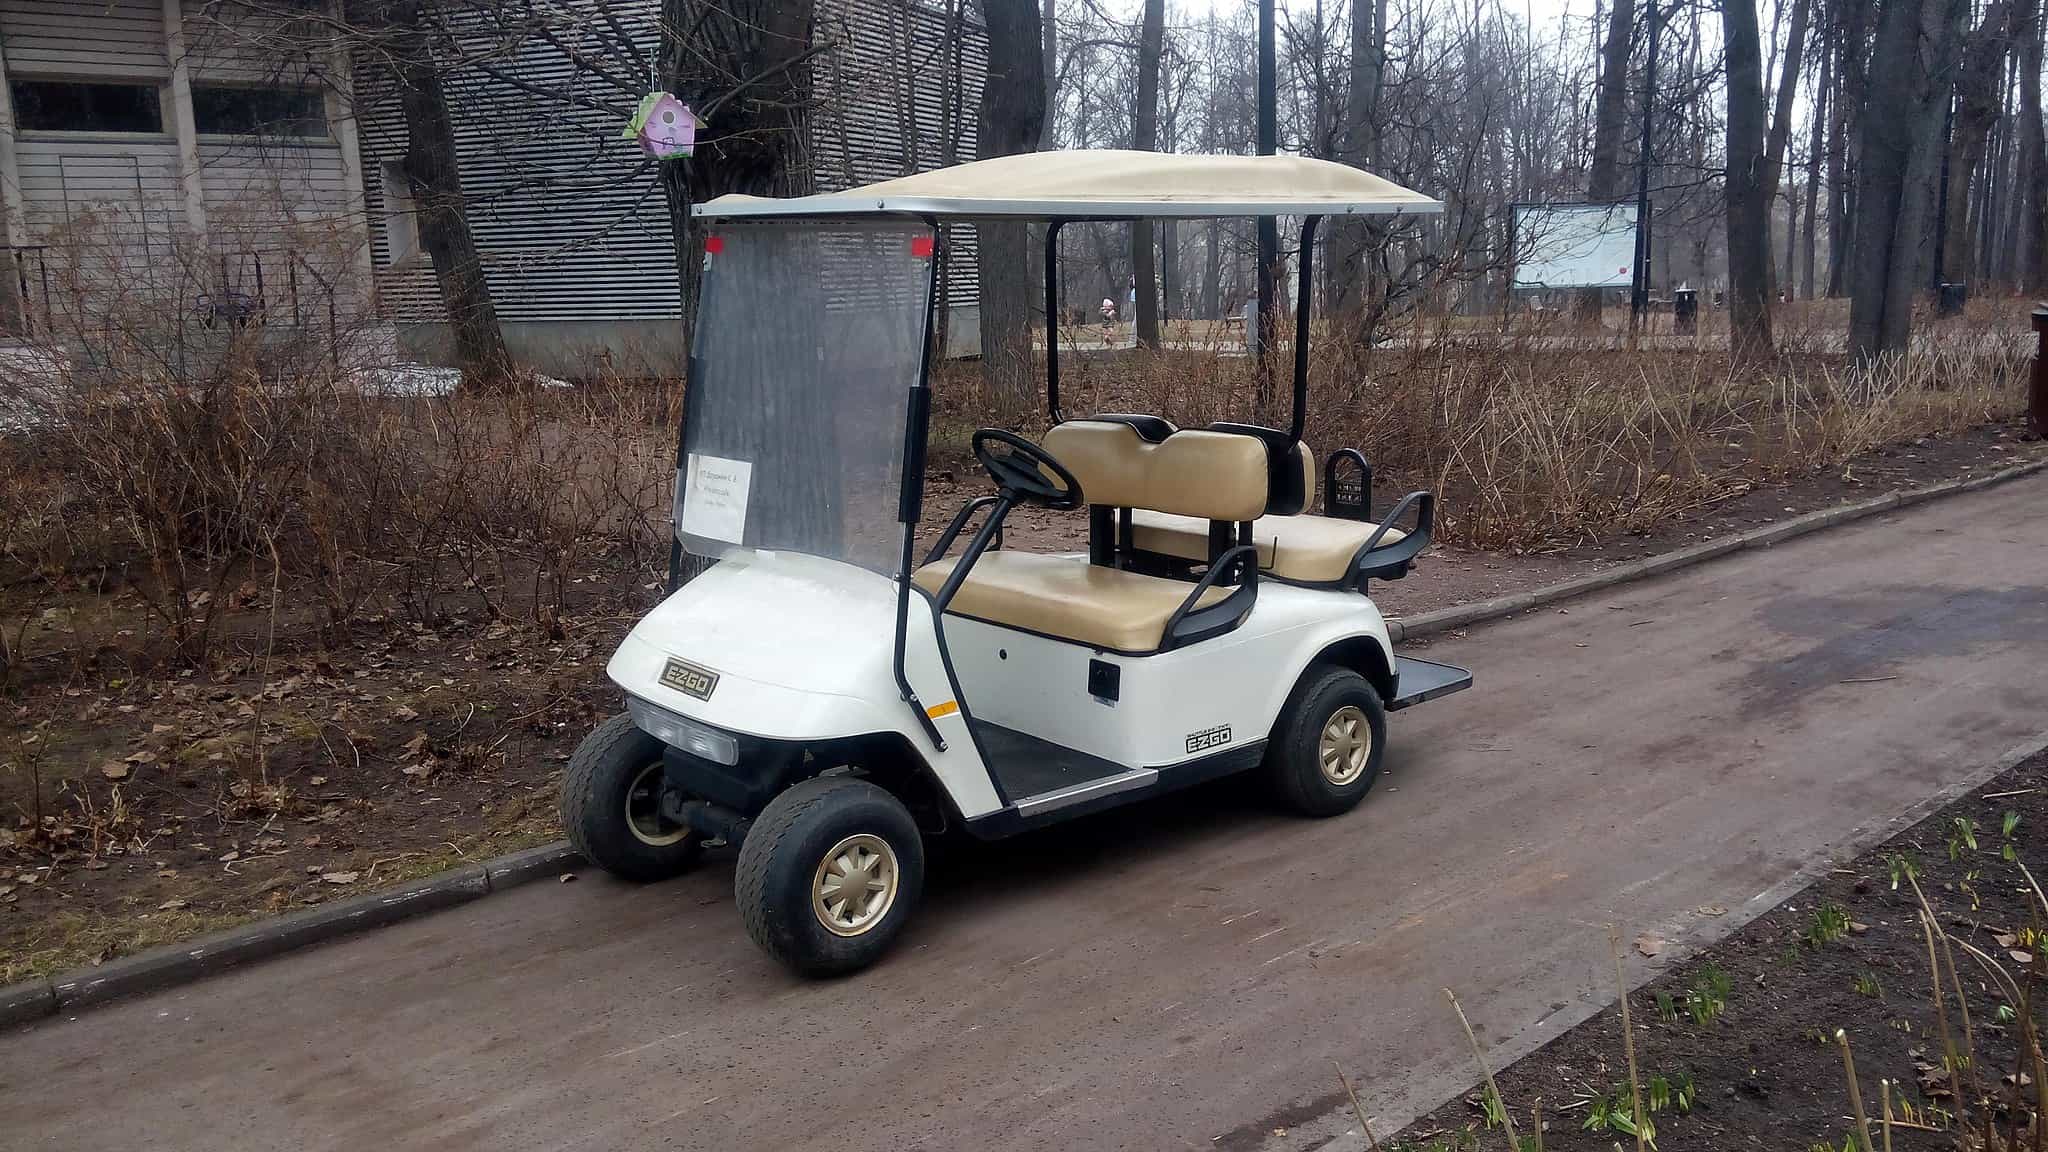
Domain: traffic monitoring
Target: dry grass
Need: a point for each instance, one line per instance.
(1544, 437)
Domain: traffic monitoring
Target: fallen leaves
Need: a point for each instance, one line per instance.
(341, 877)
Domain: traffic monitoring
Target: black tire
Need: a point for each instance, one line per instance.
(1295, 760)
(606, 784)
(782, 867)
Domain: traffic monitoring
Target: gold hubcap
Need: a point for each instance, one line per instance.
(1345, 747)
(643, 811)
(855, 884)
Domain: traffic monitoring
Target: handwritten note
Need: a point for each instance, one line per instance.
(715, 498)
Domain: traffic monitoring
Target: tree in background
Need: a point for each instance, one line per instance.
(1145, 138)
(1899, 154)
(1603, 173)
(1012, 119)
(1747, 193)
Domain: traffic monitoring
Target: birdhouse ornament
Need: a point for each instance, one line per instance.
(664, 125)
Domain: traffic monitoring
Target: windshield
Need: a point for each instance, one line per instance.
(809, 338)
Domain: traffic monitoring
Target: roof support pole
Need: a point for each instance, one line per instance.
(1052, 320)
(182, 122)
(1302, 296)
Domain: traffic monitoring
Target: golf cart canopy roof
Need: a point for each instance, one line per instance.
(1104, 184)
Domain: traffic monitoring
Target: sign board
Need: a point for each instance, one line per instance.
(1575, 245)
(715, 498)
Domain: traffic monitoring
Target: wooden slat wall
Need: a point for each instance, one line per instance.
(113, 38)
(570, 220)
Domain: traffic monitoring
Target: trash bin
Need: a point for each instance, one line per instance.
(1949, 298)
(1685, 311)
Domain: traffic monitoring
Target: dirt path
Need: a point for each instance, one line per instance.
(1170, 975)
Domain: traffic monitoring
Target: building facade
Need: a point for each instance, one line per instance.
(145, 131)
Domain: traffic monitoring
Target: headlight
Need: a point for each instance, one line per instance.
(682, 732)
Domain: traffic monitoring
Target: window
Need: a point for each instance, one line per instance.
(64, 106)
(250, 111)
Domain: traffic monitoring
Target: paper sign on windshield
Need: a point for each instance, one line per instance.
(715, 498)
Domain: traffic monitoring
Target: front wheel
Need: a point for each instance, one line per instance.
(611, 805)
(1326, 749)
(828, 875)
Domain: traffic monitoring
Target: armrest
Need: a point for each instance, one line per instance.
(960, 521)
(1189, 624)
(1391, 561)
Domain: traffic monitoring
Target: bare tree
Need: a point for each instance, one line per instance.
(436, 186)
(1603, 175)
(1351, 240)
(1749, 192)
(1977, 109)
(1899, 161)
(1781, 122)
(2033, 163)
(742, 65)
(1012, 119)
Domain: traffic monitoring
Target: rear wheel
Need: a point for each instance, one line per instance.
(828, 875)
(1326, 749)
(611, 805)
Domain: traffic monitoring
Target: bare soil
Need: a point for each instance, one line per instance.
(1748, 1027)
(139, 807)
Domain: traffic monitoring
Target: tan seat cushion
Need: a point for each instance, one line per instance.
(1316, 549)
(1067, 597)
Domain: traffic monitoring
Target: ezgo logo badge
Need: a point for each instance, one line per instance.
(691, 680)
(1208, 738)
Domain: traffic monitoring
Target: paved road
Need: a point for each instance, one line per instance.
(1174, 974)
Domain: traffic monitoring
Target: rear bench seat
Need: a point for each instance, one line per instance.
(1197, 475)
(1303, 548)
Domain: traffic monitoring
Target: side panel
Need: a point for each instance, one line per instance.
(1172, 707)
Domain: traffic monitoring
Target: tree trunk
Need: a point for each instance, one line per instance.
(742, 70)
(1051, 66)
(1352, 240)
(435, 181)
(1169, 270)
(1748, 192)
(1846, 128)
(1610, 112)
(1212, 279)
(1012, 120)
(2033, 245)
(1781, 126)
(1977, 108)
(1816, 142)
(1899, 161)
(1145, 138)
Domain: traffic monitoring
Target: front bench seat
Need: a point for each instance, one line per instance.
(1199, 474)
(1065, 597)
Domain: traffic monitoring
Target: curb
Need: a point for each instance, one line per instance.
(182, 963)
(1423, 624)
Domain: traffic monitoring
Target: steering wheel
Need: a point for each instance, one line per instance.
(1018, 466)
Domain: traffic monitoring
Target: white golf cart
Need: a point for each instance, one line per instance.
(824, 699)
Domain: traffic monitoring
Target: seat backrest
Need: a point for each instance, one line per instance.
(1213, 475)
(1291, 482)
